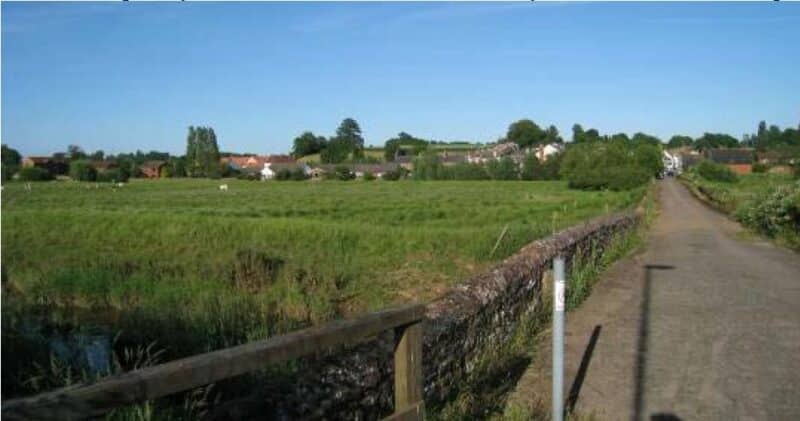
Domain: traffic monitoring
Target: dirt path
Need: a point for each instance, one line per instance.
(701, 325)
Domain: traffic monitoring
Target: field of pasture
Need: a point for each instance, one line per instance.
(192, 268)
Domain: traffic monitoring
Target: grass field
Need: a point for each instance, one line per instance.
(194, 268)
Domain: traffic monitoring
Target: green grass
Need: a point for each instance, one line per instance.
(745, 195)
(728, 196)
(163, 260)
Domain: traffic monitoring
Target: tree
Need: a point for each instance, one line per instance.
(202, 153)
(715, 140)
(610, 165)
(82, 170)
(532, 169)
(11, 160)
(335, 152)
(503, 169)
(98, 155)
(308, 144)
(620, 137)
(552, 136)
(584, 136)
(350, 134)
(401, 142)
(679, 141)
(526, 133)
(75, 152)
(640, 137)
(577, 133)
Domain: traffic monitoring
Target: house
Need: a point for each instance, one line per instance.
(739, 160)
(271, 169)
(255, 162)
(672, 163)
(378, 170)
(55, 166)
(152, 169)
(543, 152)
(494, 153)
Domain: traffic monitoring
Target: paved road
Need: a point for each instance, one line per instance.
(710, 331)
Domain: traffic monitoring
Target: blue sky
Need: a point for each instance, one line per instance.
(127, 76)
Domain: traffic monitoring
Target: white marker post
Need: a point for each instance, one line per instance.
(559, 285)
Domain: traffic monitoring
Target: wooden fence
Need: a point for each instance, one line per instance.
(90, 401)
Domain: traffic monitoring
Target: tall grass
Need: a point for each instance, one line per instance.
(192, 268)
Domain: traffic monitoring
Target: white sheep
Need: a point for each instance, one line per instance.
(223, 187)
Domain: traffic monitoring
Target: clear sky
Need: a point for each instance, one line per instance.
(127, 76)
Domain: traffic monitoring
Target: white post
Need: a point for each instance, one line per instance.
(559, 285)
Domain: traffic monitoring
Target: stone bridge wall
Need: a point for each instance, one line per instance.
(357, 383)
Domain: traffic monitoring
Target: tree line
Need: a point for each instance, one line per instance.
(346, 144)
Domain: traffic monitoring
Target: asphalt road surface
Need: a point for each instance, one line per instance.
(702, 324)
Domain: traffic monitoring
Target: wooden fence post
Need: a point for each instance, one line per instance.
(408, 402)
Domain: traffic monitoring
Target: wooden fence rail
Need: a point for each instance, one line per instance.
(90, 401)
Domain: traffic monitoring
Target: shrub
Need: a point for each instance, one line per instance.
(368, 176)
(34, 174)
(82, 170)
(114, 175)
(283, 175)
(298, 174)
(249, 176)
(614, 165)
(503, 169)
(716, 172)
(772, 212)
(760, 168)
(342, 172)
(395, 175)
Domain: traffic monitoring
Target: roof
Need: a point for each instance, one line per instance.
(153, 164)
(731, 156)
(256, 161)
(361, 168)
(279, 166)
(43, 159)
(103, 165)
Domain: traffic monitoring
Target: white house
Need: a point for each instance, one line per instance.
(545, 151)
(672, 163)
(272, 168)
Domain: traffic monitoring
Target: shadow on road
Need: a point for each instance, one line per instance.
(641, 346)
(575, 390)
(664, 417)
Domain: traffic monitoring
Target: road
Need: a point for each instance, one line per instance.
(700, 325)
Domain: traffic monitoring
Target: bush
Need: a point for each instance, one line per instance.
(368, 176)
(503, 169)
(34, 174)
(343, 173)
(114, 175)
(716, 172)
(395, 175)
(283, 175)
(760, 168)
(249, 176)
(82, 170)
(298, 174)
(614, 165)
(773, 212)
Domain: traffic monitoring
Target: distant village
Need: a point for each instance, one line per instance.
(344, 156)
